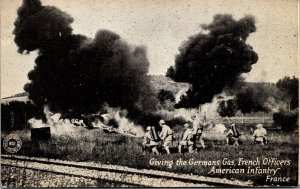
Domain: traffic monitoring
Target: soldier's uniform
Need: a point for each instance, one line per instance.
(259, 135)
(166, 136)
(198, 130)
(187, 139)
(232, 137)
(149, 142)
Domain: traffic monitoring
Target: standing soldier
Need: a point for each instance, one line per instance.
(166, 136)
(197, 129)
(187, 139)
(149, 141)
(259, 135)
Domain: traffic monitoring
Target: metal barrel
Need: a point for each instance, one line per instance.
(154, 133)
(235, 132)
(40, 133)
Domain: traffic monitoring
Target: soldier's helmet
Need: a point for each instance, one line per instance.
(161, 122)
(259, 126)
(186, 125)
(232, 125)
(148, 128)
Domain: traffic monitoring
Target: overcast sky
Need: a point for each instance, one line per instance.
(161, 26)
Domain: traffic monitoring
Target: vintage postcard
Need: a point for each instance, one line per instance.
(149, 93)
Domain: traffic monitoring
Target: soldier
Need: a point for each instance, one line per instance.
(166, 135)
(259, 135)
(149, 142)
(187, 139)
(198, 129)
(232, 136)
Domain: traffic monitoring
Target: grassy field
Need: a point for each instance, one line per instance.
(95, 145)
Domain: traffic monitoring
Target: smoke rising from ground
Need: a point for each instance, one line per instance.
(124, 125)
(215, 59)
(76, 74)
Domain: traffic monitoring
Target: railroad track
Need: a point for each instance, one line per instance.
(118, 174)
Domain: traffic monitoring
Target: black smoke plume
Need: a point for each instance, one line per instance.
(76, 74)
(215, 60)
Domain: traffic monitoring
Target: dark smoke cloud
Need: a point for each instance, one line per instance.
(39, 27)
(77, 74)
(213, 61)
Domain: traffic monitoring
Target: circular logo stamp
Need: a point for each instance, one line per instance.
(12, 143)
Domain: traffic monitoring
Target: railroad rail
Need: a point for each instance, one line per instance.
(118, 174)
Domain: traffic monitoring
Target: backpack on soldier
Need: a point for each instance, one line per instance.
(154, 134)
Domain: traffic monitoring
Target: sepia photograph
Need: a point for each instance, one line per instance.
(149, 93)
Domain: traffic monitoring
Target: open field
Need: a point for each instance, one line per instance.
(118, 149)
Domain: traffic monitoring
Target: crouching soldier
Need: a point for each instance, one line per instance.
(149, 142)
(259, 135)
(166, 136)
(187, 139)
(232, 136)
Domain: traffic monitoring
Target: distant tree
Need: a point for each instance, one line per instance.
(255, 97)
(227, 108)
(288, 121)
(170, 72)
(164, 95)
(290, 86)
(15, 114)
(166, 99)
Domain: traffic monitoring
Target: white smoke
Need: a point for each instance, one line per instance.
(125, 126)
(205, 112)
(215, 132)
(182, 92)
(59, 126)
(275, 105)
